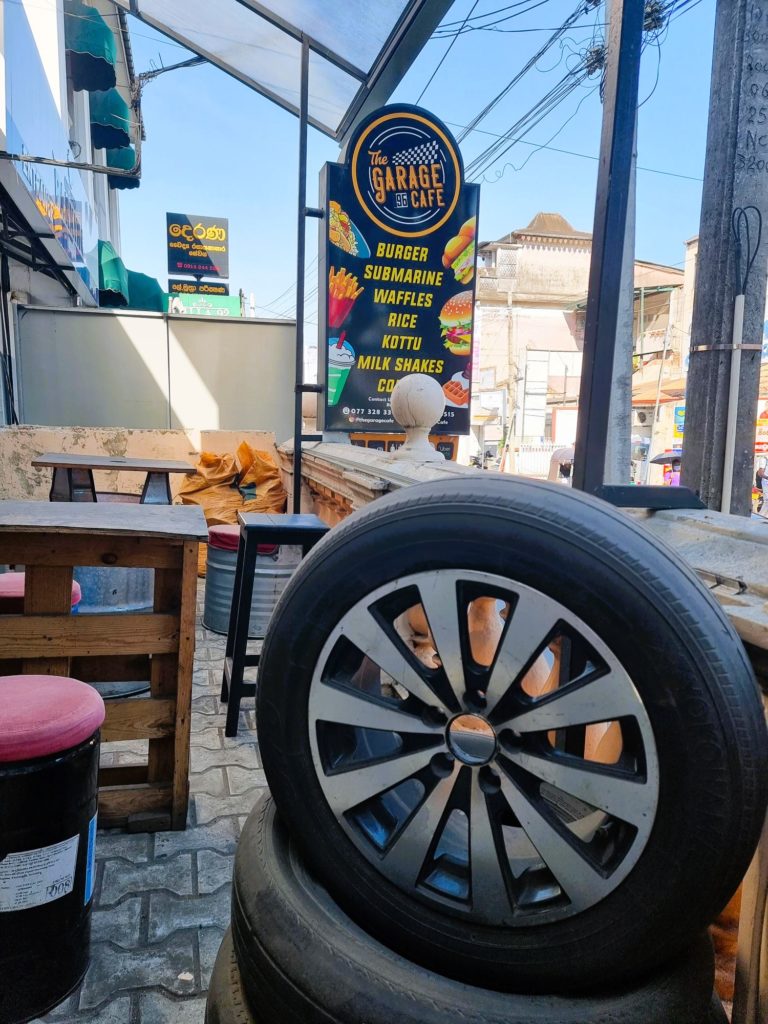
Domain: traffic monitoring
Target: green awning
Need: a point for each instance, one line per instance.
(91, 48)
(113, 277)
(145, 292)
(125, 159)
(110, 120)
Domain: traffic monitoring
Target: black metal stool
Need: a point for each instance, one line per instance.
(304, 530)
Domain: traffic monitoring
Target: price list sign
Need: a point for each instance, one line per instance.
(397, 271)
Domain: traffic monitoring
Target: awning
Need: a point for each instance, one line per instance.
(113, 277)
(91, 48)
(358, 50)
(145, 292)
(125, 159)
(110, 120)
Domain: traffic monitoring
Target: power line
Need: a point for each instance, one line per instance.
(571, 152)
(442, 59)
(486, 14)
(569, 21)
(488, 25)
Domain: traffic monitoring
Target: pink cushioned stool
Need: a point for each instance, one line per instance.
(12, 593)
(49, 762)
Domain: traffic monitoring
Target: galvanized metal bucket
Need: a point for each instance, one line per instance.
(114, 589)
(271, 576)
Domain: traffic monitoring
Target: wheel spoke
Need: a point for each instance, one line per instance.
(579, 880)
(407, 855)
(347, 789)
(489, 892)
(351, 707)
(532, 621)
(623, 798)
(440, 602)
(603, 700)
(360, 627)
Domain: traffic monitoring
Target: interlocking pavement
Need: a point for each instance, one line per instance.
(162, 900)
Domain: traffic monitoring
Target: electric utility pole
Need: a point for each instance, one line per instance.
(735, 176)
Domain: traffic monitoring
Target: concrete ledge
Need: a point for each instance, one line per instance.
(19, 445)
(729, 553)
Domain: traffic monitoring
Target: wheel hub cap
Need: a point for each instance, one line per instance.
(471, 739)
(483, 747)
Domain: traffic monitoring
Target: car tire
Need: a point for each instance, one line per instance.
(592, 866)
(304, 961)
(226, 1002)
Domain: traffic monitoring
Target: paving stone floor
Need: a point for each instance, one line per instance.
(161, 902)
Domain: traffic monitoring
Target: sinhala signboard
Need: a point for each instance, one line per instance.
(205, 305)
(198, 246)
(398, 277)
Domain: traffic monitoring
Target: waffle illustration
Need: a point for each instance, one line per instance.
(455, 393)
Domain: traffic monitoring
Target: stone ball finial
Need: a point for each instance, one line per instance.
(417, 404)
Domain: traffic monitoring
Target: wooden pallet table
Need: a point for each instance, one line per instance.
(49, 540)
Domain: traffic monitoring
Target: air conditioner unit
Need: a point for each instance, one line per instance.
(640, 418)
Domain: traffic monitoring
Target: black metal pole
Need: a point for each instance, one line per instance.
(300, 249)
(622, 73)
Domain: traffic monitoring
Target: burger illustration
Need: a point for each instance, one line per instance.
(456, 323)
(459, 253)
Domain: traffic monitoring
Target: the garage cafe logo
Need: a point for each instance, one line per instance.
(406, 171)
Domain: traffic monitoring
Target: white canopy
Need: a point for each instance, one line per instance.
(358, 49)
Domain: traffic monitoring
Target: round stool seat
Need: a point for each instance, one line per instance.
(12, 586)
(227, 538)
(43, 715)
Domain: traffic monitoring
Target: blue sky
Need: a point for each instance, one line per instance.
(214, 147)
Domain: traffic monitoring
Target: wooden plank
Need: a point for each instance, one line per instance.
(186, 656)
(117, 804)
(43, 517)
(111, 668)
(51, 636)
(163, 673)
(47, 590)
(71, 549)
(138, 718)
(63, 461)
(123, 775)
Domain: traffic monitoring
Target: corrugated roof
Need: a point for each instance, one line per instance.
(358, 51)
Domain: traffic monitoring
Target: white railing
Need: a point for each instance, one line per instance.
(534, 459)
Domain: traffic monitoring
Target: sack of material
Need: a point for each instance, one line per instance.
(224, 485)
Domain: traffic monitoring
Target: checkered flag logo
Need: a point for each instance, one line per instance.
(424, 154)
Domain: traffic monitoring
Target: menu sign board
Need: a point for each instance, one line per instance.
(397, 271)
(197, 245)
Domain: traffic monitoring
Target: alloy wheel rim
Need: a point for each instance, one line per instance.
(486, 788)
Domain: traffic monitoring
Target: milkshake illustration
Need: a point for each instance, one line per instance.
(341, 359)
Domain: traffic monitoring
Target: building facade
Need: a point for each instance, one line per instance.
(67, 93)
(531, 305)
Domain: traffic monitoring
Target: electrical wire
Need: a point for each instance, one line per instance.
(571, 152)
(442, 59)
(492, 103)
(490, 24)
(745, 248)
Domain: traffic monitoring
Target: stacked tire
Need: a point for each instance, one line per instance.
(519, 760)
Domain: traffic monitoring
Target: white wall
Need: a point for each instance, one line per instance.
(99, 368)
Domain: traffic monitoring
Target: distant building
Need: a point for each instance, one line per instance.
(531, 303)
(67, 92)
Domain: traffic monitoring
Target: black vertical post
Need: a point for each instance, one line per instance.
(300, 250)
(613, 184)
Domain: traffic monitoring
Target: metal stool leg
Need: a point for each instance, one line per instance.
(233, 610)
(156, 490)
(242, 598)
